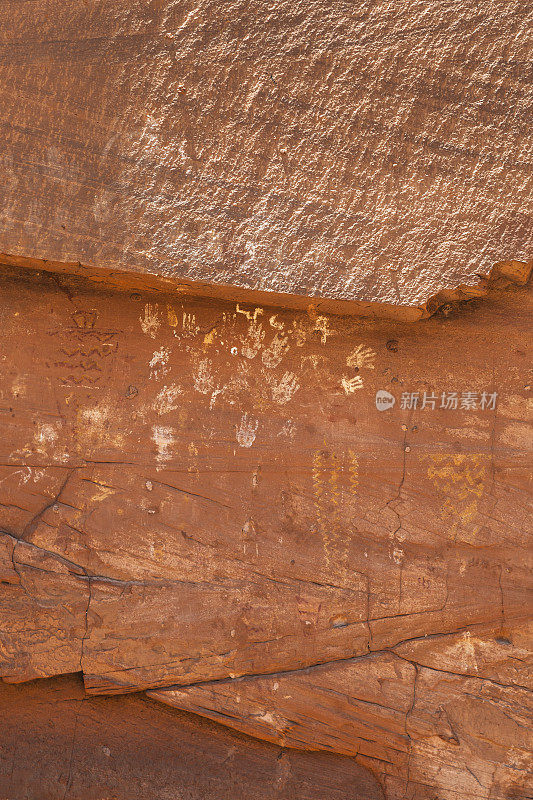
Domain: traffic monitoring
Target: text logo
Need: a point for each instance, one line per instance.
(384, 400)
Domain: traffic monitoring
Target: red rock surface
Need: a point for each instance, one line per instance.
(375, 152)
(446, 730)
(265, 400)
(194, 490)
(56, 743)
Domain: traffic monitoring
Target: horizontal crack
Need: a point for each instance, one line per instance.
(82, 574)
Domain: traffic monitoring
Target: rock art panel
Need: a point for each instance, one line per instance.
(212, 502)
(215, 531)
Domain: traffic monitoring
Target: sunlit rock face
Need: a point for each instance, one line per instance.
(265, 400)
(374, 152)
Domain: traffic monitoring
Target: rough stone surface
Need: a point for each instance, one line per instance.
(370, 152)
(193, 491)
(203, 507)
(450, 733)
(57, 743)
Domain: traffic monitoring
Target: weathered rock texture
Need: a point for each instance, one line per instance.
(367, 152)
(56, 743)
(203, 508)
(193, 491)
(428, 731)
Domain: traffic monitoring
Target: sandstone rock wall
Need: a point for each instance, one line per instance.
(193, 490)
(369, 152)
(236, 478)
(57, 742)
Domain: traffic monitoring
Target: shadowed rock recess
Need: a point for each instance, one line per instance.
(265, 401)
